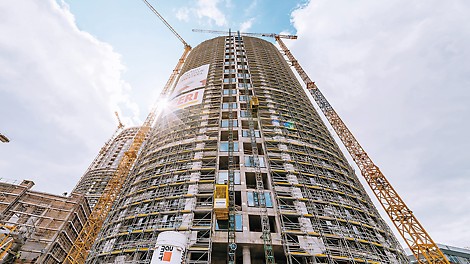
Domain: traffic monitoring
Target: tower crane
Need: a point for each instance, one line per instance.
(87, 236)
(187, 49)
(268, 35)
(411, 230)
(106, 145)
(120, 125)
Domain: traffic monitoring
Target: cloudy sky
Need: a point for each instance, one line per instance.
(397, 72)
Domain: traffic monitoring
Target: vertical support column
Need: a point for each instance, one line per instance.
(246, 255)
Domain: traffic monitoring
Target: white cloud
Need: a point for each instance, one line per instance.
(398, 74)
(208, 9)
(182, 14)
(246, 25)
(59, 87)
(251, 9)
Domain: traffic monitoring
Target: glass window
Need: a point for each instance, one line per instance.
(238, 222)
(267, 197)
(250, 161)
(244, 113)
(251, 201)
(228, 80)
(243, 75)
(223, 224)
(223, 177)
(224, 146)
(246, 133)
(227, 91)
(226, 122)
(254, 201)
(243, 85)
(243, 98)
(226, 105)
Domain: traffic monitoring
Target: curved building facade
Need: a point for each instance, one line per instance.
(96, 177)
(249, 129)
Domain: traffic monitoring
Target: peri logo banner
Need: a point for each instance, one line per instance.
(188, 99)
(192, 79)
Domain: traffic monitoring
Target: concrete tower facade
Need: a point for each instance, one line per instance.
(96, 177)
(249, 127)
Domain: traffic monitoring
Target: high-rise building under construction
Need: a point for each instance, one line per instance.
(96, 177)
(242, 165)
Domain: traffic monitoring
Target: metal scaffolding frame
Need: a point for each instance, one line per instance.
(280, 150)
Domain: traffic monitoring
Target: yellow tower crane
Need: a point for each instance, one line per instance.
(87, 236)
(414, 234)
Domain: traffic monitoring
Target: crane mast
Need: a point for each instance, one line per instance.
(416, 237)
(120, 125)
(87, 236)
(80, 248)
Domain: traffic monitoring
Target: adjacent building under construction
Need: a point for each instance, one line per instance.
(95, 179)
(42, 226)
(243, 166)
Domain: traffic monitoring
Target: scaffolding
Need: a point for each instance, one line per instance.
(323, 213)
(171, 186)
(231, 241)
(251, 113)
(293, 198)
(46, 222)
(103, 167)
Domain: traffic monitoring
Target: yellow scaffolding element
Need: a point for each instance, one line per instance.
(7, 240)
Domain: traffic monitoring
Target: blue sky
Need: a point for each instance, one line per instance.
(397, 72)
(145, 42)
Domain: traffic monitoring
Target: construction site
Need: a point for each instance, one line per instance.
(235, 165)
